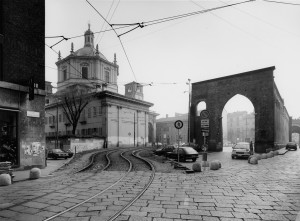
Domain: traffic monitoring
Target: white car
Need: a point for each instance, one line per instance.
(241, 149)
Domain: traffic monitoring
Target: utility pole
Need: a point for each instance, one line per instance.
(189, 107)
(56, 142)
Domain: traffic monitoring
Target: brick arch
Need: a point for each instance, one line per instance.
(258, 86)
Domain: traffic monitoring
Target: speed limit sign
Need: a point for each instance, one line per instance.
(178, 124)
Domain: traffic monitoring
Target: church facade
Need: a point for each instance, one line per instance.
(120, 120)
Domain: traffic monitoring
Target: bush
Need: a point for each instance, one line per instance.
(215, 165)
(5, 179)
(35, 173)
(253, 160)
(264, 156)
(196, 167)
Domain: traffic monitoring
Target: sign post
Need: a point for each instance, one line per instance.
(204, 116)
(178, 125)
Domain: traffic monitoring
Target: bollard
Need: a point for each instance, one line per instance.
(204, 156)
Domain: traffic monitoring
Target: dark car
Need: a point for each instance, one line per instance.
(57, 153)
(291, 145)
(185, 153)
(69, 152)
(241, 149)
(164, 150)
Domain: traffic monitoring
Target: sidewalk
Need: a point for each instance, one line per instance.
(52, 165)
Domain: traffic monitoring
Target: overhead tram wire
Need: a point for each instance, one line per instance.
(104, 23)
(78, 36)
(175, 17)
(261, 20)
(111, 18)
(117, 36)
(286, 3)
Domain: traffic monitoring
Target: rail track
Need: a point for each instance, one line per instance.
(126, 161)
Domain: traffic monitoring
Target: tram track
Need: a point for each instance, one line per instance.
(126, 157)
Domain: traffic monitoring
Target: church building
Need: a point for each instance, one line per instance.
(120, 120)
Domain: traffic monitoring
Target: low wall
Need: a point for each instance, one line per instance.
(83, 144)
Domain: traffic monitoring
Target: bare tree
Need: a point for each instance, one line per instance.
(73, 106)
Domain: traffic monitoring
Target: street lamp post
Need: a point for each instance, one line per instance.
(189, 106)
(56, 142)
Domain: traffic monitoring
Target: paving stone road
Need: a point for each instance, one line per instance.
(238, 191)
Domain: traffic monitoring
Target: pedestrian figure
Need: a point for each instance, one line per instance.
(251, 148)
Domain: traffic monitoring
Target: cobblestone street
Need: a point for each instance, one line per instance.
(267, 191)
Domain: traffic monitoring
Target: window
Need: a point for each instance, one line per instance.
(59, 117)
(47, 101)
(95, 111)
(83, 132)
(46, 120)
(84, 72)
(100, 131)
(89, 112)
(50, 120)
(100, 110)
(64, 74)
(107, 76)
(129, 89)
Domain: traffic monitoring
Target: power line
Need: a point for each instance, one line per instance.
(175, 17)
(287, 3)
(261, 20)
(117, 36)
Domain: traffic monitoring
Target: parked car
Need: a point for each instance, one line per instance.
(185, 153)
(241, 149)
(69, 152)
(291, 145)
(57, 153)
(164, 150)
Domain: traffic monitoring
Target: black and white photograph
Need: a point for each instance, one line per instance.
(149, 110)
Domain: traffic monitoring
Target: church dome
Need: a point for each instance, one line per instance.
(88, 51)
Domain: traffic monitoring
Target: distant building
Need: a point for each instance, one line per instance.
(22, 83)
(121, 120)
(240, 127)
(166, 132)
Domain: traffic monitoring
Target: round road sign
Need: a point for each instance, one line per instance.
(204, 114)
(178, 124)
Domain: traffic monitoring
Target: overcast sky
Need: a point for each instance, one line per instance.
(227, 41)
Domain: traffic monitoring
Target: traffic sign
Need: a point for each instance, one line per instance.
(178, 124)
(204, 114)
(204, 123)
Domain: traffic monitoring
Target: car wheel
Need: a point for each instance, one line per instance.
(194, 160)
(233, 157)
(66, 158)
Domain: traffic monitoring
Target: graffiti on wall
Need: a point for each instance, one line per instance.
(33, 149)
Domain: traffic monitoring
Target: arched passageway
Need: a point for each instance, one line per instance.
(271, 117)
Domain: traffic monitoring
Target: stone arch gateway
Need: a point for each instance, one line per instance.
(272, 122)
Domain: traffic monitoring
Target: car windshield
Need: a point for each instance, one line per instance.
(241, 146)
(57, 151)
(190, 150)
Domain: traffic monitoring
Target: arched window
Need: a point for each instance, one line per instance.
(200, 107)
